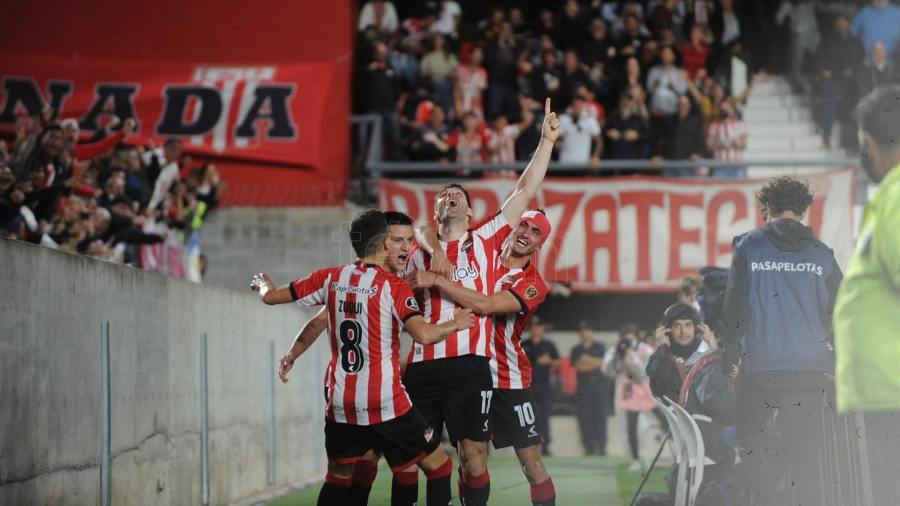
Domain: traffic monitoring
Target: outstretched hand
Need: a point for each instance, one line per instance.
(284, 367)
(262, 283)
(550, 128)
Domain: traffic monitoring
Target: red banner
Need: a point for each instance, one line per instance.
(262, 113)
(642, 234)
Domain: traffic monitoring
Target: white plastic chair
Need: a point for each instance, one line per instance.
(679, 444)
(696, 450)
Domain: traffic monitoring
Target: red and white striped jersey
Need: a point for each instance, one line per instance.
(510, 367)
(473, 258)
(472, 82)
(729, 131)
(470, 148)
(366, 308)
(506, 139)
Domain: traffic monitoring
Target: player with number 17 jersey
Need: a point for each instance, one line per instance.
(472, 258)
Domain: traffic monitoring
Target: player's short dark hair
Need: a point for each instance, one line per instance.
(877, 116)
(367, 232)
(397, 218)
(680, 311)
(784, 193)
(455, 185)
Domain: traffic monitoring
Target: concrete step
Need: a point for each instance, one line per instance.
(774, 101)
(782, 129)
(781, 115)
(784, 142)
(753, 153)
(771, 86)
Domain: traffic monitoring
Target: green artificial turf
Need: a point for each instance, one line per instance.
(578, 481)
(629, 481)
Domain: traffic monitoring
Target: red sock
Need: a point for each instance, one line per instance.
(364, 474)
(544, 493)
(477, 481)
(344, 482)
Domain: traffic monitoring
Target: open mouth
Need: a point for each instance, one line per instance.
(522, 242)
(452, 203)
(402, 258)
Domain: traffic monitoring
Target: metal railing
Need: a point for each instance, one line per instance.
(369, 165)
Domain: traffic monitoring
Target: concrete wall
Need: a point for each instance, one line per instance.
(287, 243)
(51, 308)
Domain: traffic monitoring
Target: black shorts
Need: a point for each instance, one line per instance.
(457, 391)
(516, 419)
(403, 441)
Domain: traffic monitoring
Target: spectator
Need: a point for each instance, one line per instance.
(573, 75)
(680, 336)
(470, 140)
(688, 141)
(545, 78)
(622, 25)
(501, 56)
(633, 38)
(666, 17)
(520, 27)
(572, 28)
(804, 36)
(430, 142)
(695, 53)
(593, 391)
(490, 28)
(414, 30)
(579, 136)
(448, 19)
(627, 362)
(544, 359)
(383, 96)
(598, 49)
(665, 84)
(379, 14)
(727, 139)
(471, 81)
(502, 143)
(877, 70)
(437, 67)
(688, 286)
(627, 130)
(839, 60)
(633, 73)
(591, 107)
(776, 328)
(726, 25)
(879, 22)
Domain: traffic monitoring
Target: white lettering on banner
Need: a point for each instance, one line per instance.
(643, 233)
(786, 266)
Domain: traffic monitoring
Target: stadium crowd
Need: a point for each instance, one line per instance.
(101, 197)
(637, 80)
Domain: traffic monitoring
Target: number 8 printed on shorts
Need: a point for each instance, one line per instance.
(350, 333)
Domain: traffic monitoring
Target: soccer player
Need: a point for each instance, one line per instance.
(518, 290)
(405, 490)
(367, 404)
(451, 382)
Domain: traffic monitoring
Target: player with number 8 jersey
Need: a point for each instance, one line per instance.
(367, 405)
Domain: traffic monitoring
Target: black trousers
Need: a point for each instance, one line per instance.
(592, 412)
(543, 396)
(800, 405)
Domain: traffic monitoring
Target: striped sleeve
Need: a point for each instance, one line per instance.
(311, 290)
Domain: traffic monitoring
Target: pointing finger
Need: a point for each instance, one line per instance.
(547, 107)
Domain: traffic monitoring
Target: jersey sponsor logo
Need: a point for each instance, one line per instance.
(508, 280)
(786, 267)
(532, 431)
(467, 272)
(338, 407)
(467, 244)
(412, 304)
(337, 287)
(429, 434)
(531, 293)
(486, 426)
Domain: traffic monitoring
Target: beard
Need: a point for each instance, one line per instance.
(868, 163)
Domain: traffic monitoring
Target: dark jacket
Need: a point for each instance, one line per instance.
(708, 392)
(779, 300)
(666, 368)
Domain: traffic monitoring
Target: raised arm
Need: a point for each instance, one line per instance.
(268, 292)
(423, 332)
(530, 180)
(305, 338)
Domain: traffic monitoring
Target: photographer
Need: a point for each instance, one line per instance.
(627, 363)
(680, 336)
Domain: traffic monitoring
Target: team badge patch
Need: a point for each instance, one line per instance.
(412, 304)
(531, 293)
(429, 434)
